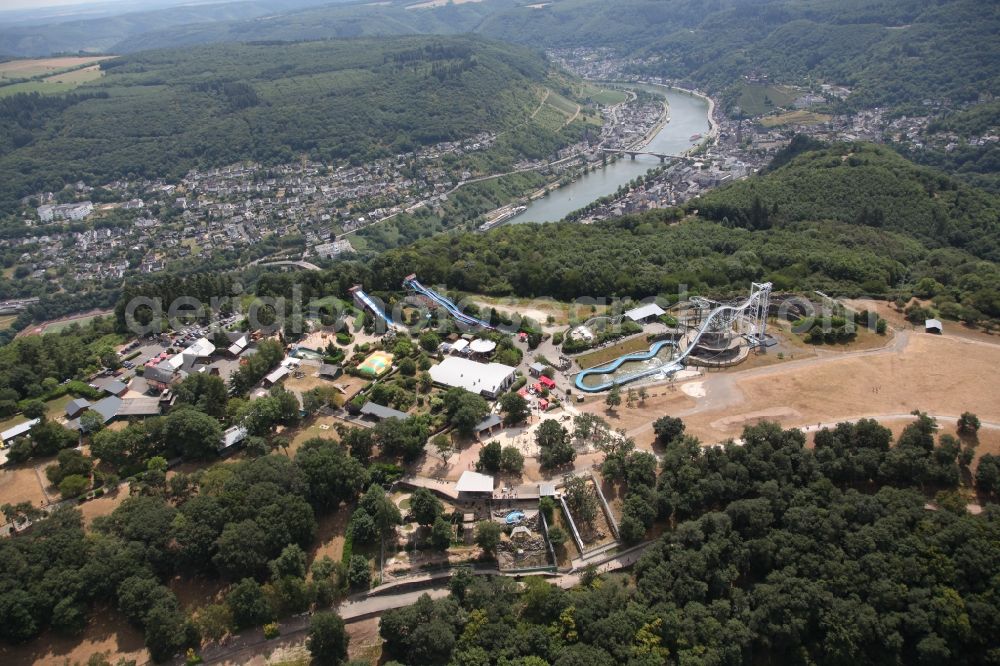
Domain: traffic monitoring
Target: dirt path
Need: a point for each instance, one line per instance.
(575, 115)
(541, 104)
(941, 375)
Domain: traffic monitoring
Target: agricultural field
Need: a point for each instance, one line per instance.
(756, 100)
(6, 321)
(48, 75)
(604, 96)
(40, 67)
(800, 117)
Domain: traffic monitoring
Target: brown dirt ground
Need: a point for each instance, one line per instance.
(108, 632)
(366, 644)
(311, 430)
(20, 484)
(939, 375)
(330, 534)
(195, 592)
(102, 506)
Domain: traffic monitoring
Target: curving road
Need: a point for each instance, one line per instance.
(298, 264)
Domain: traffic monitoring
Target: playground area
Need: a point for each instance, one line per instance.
(376, 365)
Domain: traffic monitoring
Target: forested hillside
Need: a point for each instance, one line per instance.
(849, 219)
(160, 113)
(69, 32)
(889, 51)
(343, 20)
(775, 556)
(865, 185)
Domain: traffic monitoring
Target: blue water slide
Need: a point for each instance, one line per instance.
(615, 364)
(414, 284)
(675, 364)
(372, 306)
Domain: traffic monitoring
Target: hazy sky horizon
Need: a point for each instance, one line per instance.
(41, 4)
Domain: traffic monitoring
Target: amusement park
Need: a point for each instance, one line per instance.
(695, 332)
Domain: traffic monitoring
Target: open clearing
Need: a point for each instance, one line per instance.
(604, 96)
(31, 67)
(20, 484)
(49, 75)
(6, 321)
(56, 325)
(107, 632)
(756, 99)
(795, 118)
(55, 410)
(939, 375)
(608, 354)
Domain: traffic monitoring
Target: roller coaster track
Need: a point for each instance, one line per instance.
(411, 283)
(750, 317)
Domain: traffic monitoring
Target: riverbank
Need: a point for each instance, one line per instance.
(656, 129)
(686, 117)
(638, 145)
(713, 127)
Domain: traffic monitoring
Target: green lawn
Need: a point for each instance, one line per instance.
(756, 100)
(12, 421)
(608, 354)
(607, 97)
(41, 87)
(54, 410)
(800, 117)
(562, 104)
(60, 325)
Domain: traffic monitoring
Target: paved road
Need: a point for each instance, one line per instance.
(299, 264)
(238, 649)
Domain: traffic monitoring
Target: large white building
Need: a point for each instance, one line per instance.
(486, 379)
(71, 211)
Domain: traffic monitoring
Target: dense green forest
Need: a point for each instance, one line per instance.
(33, 366)
(793, 555)
(775, 557)
(864, 185)
(160, 113)
(847, 219)
(889, 51)
(84, 31)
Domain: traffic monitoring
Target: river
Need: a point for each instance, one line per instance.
(688, 116)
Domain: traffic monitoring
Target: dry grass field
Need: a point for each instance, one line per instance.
(938, 375)
(28, 68)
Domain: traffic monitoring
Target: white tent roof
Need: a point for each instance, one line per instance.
(644, 311)
(233, 435)
(459, 345)
(474, 482)
(474, 377)
(200, 347)
(481, 346)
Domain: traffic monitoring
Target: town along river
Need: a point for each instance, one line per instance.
(688, 116)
